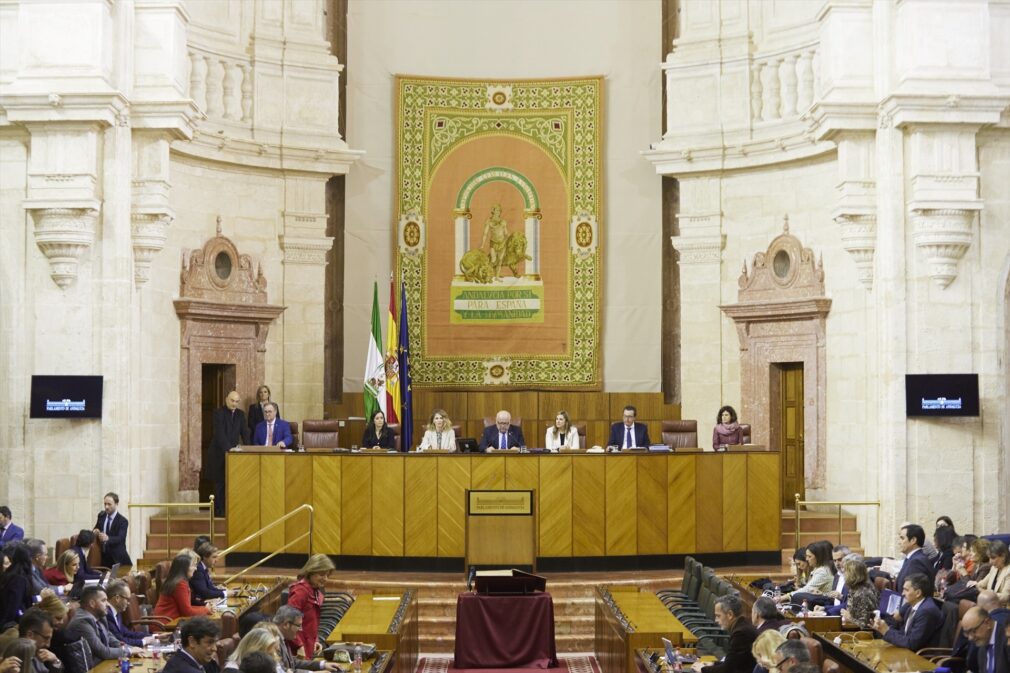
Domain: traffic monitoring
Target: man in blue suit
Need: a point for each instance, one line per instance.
(911, 537)
(110, 531)
(8, 531)
(273, 431)
(919, 623)
(989, 639)
(502, 435)
(629, 434)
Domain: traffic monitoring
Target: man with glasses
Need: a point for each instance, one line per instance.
(289, 621)
(990, 641)
(502, 435)
(790, 654)
(742, 634)
(628, 434)
(37, 626)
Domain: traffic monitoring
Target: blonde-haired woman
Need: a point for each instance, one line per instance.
(55, 608)
(257, 640)
(764, 648)
(562, 433)
(439, 433)
(307, 595)
(62, 574)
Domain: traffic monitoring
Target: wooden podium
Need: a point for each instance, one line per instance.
(501, 529)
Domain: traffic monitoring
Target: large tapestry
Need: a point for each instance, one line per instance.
(498, 193)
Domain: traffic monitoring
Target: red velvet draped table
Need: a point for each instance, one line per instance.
(505, 631)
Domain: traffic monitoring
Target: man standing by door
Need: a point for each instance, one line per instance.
(230, 430)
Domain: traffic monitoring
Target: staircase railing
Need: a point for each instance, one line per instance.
(172, 506)
(830, 503)
(307, 534)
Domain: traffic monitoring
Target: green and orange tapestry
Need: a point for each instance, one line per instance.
(498, 193)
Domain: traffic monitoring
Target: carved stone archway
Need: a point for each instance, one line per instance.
(779, 318)
(224, 318)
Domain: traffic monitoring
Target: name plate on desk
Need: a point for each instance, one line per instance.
(500, 503)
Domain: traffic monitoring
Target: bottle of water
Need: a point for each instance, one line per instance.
(177, 639)
(357, 659)
(124, 661)
(777, 593)
(805, 610)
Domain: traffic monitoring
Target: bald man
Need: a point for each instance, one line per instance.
(230, 430)
(988, 601)
(989, 640)
(502, 435)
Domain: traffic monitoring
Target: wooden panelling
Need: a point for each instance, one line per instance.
(522, 472)
(649, 405)
(708, 503)
(763, 514)
(589, 496)
(453, 481)
(487, 472)
(652, 504)
(353, 404)
(520, 404)
(243, 510)
(734, 502)
(387, 505)
(356, 505)
(681, 494)
(420, 507)
(555, 496)
(622, 505)
(455, 403)
(297, 492)
(580, 406)
(326, 501)
(272, 499)
(597, 433)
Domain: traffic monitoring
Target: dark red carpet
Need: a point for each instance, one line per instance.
(568, 664)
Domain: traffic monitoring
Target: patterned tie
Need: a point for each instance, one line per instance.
(627, 437)
(990, 659)
(270, 434)
(501, 441)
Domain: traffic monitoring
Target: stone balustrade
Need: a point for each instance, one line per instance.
(783, 84)
(221, 85)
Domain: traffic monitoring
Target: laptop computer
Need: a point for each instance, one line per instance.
(468, 445)
(109, 575)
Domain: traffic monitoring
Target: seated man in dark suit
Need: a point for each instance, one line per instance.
(629, 434)
(199, 646)
(118, 592)
(37, 626)
(502, 435)
(273, 431)
(919, 622)
(110, 530)
(85, 539)
(742, 634)
(987, 600)
(989, 639)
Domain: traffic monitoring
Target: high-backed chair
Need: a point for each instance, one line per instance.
(681, 434)
(745, 429)
(814, 647)
(320, 435)
(94, 554)
(395, 429)
(294, 434)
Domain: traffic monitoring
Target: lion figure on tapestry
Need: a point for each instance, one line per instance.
(477, 267)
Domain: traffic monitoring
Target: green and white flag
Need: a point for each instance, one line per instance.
(375, 364)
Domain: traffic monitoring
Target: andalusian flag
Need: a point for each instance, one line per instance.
(375, 366)
(392, 408)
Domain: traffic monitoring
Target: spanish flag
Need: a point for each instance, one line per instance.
(392, 361)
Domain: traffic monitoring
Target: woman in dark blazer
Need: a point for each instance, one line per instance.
(255, 414)
(377, 433)
(202, 589)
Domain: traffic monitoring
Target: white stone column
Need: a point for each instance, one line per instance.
(700, 246)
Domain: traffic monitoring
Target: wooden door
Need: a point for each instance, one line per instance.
(217, 381)
(790, 430)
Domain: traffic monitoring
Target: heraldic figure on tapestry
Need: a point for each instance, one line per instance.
(502, 249)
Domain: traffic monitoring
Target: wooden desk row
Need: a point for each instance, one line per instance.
(588, 505)
(387, 620)
(627, 620)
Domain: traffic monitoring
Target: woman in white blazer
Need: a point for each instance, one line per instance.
(562, 433)
(439, 433)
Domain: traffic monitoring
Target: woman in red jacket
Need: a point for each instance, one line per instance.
(174, 600)
(307, 595)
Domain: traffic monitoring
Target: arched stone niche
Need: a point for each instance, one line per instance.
(779, 316)
(224, 317)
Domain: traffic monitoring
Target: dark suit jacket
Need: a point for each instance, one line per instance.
(12, 532)
(916, 563)
(386, 441)
(229, 431)
(739, 658)
(978, 663)
(84, 571)
(966, 649)
(200, 586)
(114, 549)
(489, 438)
(282, 433)
(118, 630)
(182, 662)
(256, 415)
(923, 630)
(641, 431)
